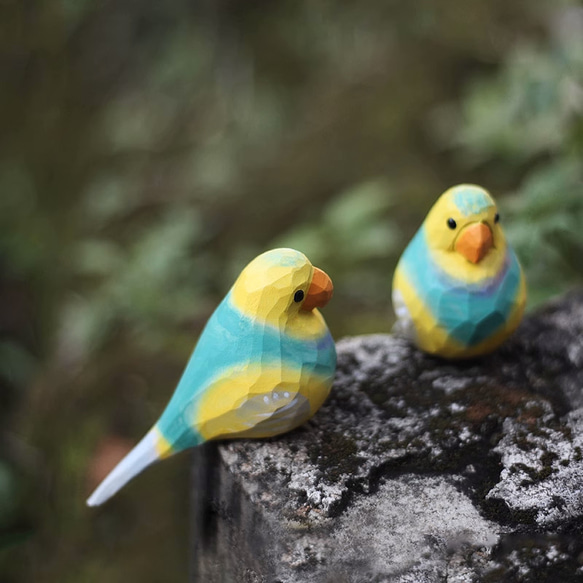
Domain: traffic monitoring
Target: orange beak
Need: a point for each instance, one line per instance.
(320, 291)
(474, 242)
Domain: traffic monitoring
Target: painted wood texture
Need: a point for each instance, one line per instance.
(459, 290)
(263, 365)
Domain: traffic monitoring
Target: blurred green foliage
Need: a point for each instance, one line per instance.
(149, 150)
(526, 120)
(354, 239)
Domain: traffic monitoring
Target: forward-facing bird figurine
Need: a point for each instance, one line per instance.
(263, 365)
(459, 290)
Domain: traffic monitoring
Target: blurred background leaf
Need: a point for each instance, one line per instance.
(149, 150)
(526, 123)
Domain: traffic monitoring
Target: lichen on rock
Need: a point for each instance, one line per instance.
(419, 469)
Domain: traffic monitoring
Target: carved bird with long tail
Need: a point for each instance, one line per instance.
(263, 365)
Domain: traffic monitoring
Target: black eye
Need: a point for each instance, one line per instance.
(299, 296)
(496, 217)
(451, 223)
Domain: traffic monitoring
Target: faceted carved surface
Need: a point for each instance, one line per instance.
(415, 470)
(263, 365)
(458, 290)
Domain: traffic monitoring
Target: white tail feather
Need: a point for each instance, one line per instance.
(132, 464)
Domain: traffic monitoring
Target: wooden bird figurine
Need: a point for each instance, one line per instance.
(263, 365)
(459, 290)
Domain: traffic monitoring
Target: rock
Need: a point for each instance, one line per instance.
(415, 470)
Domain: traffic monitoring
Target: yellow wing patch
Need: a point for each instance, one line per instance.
(429, 335)
(259, 402)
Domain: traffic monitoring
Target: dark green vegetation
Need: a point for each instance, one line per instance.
(148, 150)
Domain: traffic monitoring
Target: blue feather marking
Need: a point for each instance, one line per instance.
(471, 200)
(283, 258)
(231, 339)
(469, 320)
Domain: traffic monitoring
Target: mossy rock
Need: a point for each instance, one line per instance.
(416, 469)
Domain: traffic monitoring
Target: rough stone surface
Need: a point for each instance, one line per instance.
(415, 470)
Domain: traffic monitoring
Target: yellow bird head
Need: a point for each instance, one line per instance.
(464, 234)
(282, 288)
